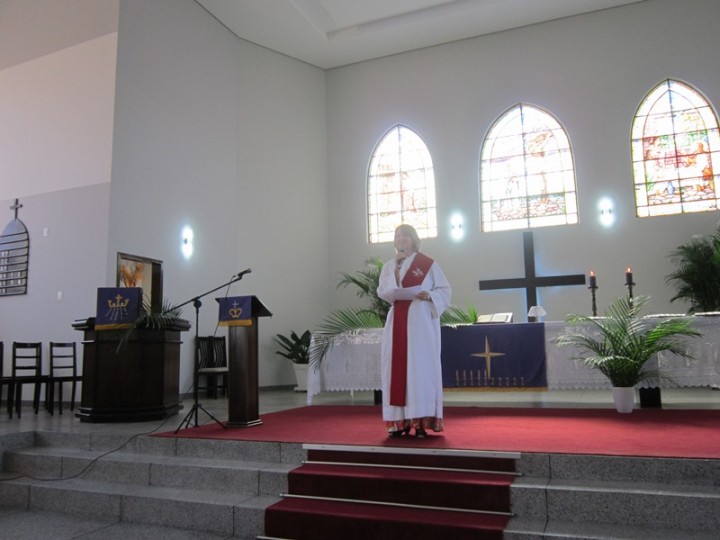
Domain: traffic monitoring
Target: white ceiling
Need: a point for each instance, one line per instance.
(332, 33)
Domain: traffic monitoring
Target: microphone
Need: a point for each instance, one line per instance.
(241, 274)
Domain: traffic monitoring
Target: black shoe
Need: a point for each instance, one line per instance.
(420, 433)
(395, 434)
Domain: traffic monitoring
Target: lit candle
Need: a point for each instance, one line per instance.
(593, 280)
(629, 276)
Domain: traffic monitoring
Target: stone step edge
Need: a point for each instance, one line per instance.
(174, 494)
(520, 528)
(148, 458)
(612, 486)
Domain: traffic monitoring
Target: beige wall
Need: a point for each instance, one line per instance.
(591, 72)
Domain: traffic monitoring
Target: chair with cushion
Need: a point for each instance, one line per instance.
(212, 364)
(63, 369)
(26, 369)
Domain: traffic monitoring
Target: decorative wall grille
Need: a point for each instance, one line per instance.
(14, 256)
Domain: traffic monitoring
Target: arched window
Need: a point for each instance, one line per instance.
(527, 175)
(674, 146)
(401, 186)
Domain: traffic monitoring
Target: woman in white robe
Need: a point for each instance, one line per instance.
(419, 293)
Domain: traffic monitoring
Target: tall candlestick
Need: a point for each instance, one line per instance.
(593, 287)
(629, 282)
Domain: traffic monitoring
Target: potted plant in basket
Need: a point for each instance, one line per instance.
(296, 349)
(621, 343)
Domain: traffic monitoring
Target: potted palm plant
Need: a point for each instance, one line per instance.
(621, 343)
(296, 349)
(697, 276)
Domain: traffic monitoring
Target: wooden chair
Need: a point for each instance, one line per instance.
(26, 369)
(63, 369)
(212, 364)
(4, 380)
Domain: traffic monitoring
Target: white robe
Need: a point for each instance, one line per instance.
(424, 372)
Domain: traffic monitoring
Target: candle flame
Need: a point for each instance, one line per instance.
(592, 274)
(629, 270)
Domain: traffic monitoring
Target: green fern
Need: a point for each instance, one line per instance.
(697, 278)
(167, 318)
(625, 341)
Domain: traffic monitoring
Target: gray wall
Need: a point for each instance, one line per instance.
(198, 128)
(266, 158)
(591, 72)
(228, 138)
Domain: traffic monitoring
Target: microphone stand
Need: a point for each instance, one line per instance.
(193, 413)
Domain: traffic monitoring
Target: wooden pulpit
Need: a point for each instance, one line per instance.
(240, 314)
(134, 382)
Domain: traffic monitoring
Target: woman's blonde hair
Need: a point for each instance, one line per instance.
(410, 231)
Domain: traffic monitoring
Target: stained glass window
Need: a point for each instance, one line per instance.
(674, 146)
(401, 186)
(527, 174)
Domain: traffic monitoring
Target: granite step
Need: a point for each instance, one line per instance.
(218, 487)
(664, 498)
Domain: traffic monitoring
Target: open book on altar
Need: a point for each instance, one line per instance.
(494, 318)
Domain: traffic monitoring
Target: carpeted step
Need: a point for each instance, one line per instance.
(379, 492)
(466, 460)
(319, 519)
(455, 489)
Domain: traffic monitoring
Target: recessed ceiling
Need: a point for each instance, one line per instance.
(332, 33)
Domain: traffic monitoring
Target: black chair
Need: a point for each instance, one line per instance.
(26, 369)
(63, 369)
(212, 364)
(4, 380)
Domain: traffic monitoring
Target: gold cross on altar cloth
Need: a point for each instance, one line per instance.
(488, 355)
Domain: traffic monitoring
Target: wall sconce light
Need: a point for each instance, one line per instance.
(607, 215)
(186, 246)
(457, 230)
(535, 313)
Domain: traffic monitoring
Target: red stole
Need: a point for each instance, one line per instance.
(398, 378)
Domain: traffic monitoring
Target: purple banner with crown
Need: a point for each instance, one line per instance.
(235, 311)
(117, 307)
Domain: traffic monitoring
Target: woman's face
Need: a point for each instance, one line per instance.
(403, 242)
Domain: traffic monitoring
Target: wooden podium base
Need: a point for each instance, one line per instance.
(138, 383)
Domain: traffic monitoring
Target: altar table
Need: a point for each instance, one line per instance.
(353, 362)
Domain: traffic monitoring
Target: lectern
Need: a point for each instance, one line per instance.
(240, 314)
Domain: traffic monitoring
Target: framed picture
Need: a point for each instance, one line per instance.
(143, 272)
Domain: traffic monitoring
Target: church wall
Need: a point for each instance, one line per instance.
(55, 157)
(229, 138)
(591, 72)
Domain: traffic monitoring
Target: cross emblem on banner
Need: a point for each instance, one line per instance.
(531, 282)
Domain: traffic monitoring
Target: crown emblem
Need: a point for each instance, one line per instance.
(235, 311)
(117, 310)
(120, 302)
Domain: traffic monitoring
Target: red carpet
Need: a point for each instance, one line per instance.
(440, 496)
(644, 432)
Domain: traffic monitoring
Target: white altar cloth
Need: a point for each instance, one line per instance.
(566, 374)
(353, 363)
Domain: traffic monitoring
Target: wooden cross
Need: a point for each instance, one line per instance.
(531, 282)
